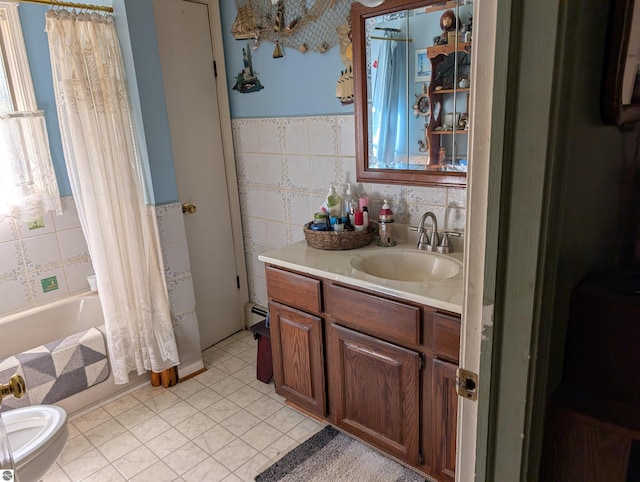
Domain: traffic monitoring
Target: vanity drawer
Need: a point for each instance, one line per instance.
(294, 290)
(446, 336)
(370, 314)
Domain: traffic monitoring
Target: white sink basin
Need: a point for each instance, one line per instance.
(409, 266)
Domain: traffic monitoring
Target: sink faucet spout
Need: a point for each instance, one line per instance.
(426, 242)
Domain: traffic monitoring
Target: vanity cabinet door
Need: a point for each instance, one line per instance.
(376, 391)
(444, 418)
(297, 349)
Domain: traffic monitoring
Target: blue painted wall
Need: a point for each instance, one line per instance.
(295, 85)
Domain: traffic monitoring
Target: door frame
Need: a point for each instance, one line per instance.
(509, 236)
(217, 46)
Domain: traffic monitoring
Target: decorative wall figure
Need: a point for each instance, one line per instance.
(246, 81)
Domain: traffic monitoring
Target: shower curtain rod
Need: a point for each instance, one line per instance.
(82, 6)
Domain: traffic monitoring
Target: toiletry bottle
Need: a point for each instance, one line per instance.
(350, 201)
(385, 221)
(334, 201)
(359, 220)
(363, 202)
(365, 216)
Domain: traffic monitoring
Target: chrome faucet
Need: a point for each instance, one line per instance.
(433, 242)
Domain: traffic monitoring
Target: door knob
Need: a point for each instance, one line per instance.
(15, 387)
(188, 208)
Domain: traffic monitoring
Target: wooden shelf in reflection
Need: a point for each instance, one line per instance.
(444, 133)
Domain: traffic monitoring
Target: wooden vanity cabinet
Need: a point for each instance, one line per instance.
(380, 368)
(297, 341)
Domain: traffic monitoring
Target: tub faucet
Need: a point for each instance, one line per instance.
(15, 387)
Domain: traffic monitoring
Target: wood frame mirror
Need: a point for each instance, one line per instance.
(428, 171)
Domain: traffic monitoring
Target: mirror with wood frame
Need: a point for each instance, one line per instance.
(412, 75)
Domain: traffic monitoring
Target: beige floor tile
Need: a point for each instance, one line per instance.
(240, 422)
(135, 462)
(74, 449)
(91, 419)
(261, 436)
(235, 454)
(264, 407)
(231, 365)
(135, 416)
(157, 472)
(244, 396)
(107, 474)
(285, 419)
(204, 398)
(178, 412)
(277, 449)
(85, 465)
(196, 425)
(104, 432)
(185, 458)
(209, 469)
(187, 388)
(121, 404)
(221, 410)
(211, 376)
(167, 443)
(162, 401)
(119, 446)
(56, 475)
(227, 386)
(247, 471)
(150, 428)
(214, 439)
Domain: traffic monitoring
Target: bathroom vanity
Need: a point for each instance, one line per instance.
(374, 354)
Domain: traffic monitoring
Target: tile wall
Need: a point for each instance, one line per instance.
(284, 168)
(29, 256)
(58, 249)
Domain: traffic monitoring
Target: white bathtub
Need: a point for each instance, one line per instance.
(38, 326)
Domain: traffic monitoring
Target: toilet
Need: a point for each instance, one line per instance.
(37, 435)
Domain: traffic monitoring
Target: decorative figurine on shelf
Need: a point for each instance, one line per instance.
(246, 81)
(448, 23)
(344, 86)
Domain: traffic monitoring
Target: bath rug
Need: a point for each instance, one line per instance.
(331, 455)
(58, 369)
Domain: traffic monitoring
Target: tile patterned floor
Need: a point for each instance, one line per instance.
(222, 425)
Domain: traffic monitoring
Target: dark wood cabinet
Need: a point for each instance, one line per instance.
(297, 348)
(378, 367)
(444, 415)
(376, 385)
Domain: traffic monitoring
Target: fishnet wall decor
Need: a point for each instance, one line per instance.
(305, 25)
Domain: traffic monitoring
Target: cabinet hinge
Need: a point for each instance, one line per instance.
(467, 384)
(215, 69)
(238, 281)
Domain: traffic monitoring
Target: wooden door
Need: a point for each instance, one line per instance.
(376, 391)
(298, 357)
(444, 419)
(186, 57)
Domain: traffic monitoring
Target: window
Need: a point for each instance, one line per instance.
(28, 187)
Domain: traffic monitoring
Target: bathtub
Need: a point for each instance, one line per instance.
(43, 324)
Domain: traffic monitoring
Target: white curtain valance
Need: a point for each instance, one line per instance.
(28, 185)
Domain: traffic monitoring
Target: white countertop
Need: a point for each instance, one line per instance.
(336, 266)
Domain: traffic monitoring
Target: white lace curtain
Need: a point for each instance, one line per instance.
(105, 172)
(28, 186)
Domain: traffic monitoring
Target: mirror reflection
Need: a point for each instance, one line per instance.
(413, 101)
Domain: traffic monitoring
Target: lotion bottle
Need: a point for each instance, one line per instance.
(334, 201)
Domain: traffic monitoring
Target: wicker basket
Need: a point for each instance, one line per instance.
(332, 240)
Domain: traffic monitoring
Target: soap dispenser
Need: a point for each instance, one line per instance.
(333, 202)
(385, 222)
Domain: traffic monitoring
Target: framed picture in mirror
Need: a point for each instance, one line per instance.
(423, 66)
(621, 75)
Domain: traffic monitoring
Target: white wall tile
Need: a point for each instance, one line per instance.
(181, 295)
(11, 262)
(273, 173)
(296, 136)
(25, 232)
(15, 294)
(41, 252)
(249, 168)
(170, 222)
(346, 135)
(246, 135)
(8, 230)
(35, 281)
(322, 136)
(72, 244)
(69, 217)
(76, 273)
(175, 256)
(270, 136)
(299, 172)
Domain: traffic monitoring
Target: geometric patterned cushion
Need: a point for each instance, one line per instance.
(58, 369)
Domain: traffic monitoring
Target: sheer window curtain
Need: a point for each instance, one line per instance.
(105, 173)
(28, 186)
